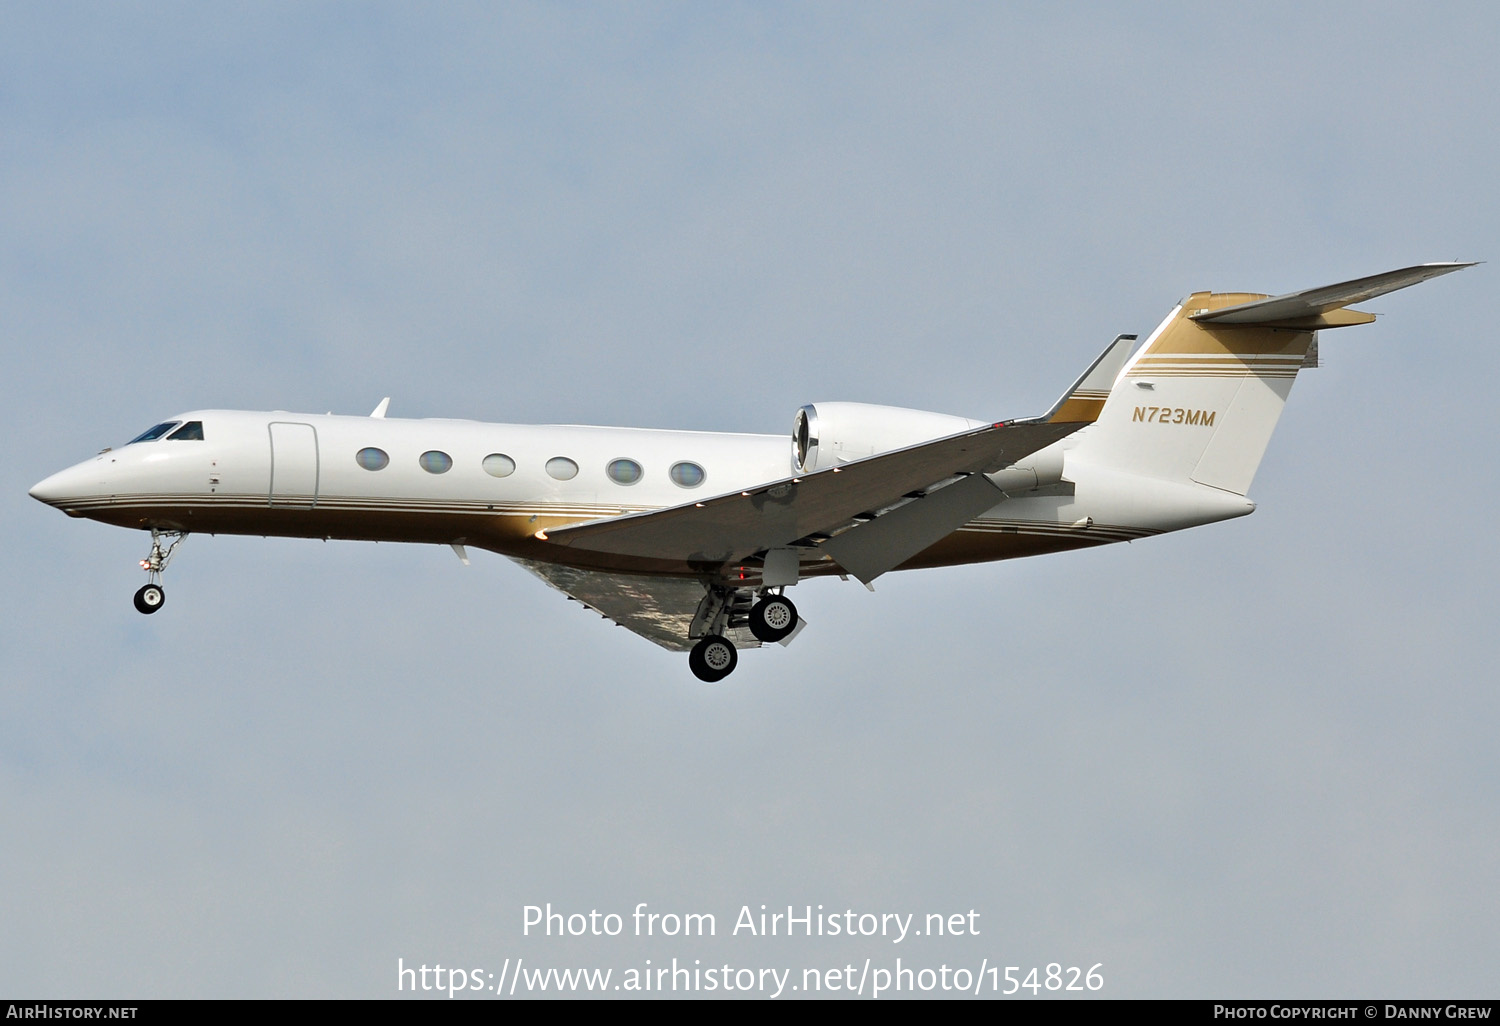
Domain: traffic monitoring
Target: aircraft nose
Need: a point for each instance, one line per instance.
(47, 490)
(65, 486)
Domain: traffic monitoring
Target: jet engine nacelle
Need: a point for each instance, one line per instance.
(829, 434)
(1040, 469)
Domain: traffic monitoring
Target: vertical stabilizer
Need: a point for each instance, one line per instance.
(1198, 402)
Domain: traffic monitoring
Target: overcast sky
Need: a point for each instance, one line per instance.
(1255, 759)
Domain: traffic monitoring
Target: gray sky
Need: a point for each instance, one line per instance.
(1254, 759)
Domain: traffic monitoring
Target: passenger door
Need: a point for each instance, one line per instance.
(294, 465)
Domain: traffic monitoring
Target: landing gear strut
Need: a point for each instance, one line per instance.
(723, 608)
(151, 596)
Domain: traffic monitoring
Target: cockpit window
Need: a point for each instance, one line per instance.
(192, 431)
(155, 433)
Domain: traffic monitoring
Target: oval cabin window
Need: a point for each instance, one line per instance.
(688, 475)
(562, 468)
(435, 462)
(625, 472)
(372, 458)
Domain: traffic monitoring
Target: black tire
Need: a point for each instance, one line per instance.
(713, 659)
(773, 618)
(150, 598)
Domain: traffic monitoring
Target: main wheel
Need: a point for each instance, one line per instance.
(150, 598)
(713, 659)
(773, 618)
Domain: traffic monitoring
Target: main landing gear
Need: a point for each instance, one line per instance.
(713, 659)
(772, 617)
(151, 595)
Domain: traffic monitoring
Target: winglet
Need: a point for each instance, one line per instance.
(1082, 403)
(1312, 309)
(379, 411)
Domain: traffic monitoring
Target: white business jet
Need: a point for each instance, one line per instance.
(691, 539)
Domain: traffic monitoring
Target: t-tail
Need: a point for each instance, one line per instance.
(1198, 402)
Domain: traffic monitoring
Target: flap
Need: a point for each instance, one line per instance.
(869, 550)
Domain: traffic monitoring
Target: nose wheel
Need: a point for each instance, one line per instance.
(163, 543)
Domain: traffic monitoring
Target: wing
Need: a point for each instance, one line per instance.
(659, 609)
(884, 508)
(875, 512)
(802, 511)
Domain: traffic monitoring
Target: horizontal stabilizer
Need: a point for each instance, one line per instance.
(1315, 308)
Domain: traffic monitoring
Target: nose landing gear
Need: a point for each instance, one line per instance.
(151, 595)
(149, 598)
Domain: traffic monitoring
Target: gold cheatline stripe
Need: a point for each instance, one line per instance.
(259, 501)
(1054, 530)
(1079, 534)
(1167, 354)
(1221, 368)
(1235, 368)
(997, 522)
(1227, 364)
(262, 503)
(1169, 368)
(1214, 374)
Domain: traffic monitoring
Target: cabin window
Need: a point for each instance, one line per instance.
(372, 458)
(625, 472)
(562, 468)
(688, 475)
(435, 462)
(192, 431)
(497, 464)
(155, 433)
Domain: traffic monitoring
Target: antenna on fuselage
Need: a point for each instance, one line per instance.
(379, 411)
